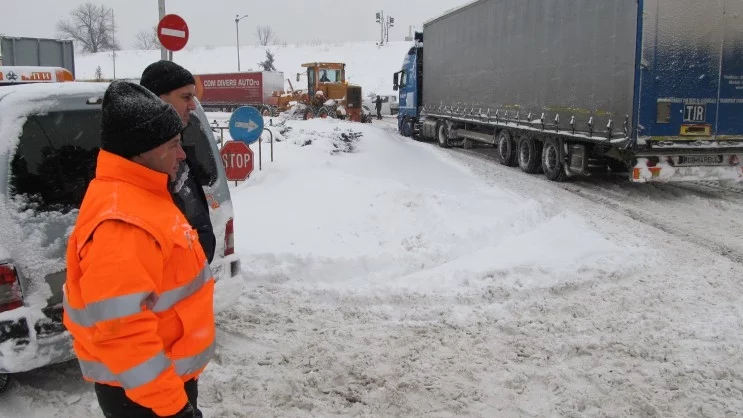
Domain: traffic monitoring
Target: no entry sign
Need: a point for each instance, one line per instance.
(237, 158)
(172, 31)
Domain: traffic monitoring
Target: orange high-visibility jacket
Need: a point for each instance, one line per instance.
(139, 291)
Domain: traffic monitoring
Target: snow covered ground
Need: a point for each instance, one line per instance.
(387, 277)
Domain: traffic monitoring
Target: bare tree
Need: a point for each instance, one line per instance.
(91, 26)
(265, 35)
(147, 39)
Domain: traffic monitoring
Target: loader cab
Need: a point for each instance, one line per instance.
(327, 77)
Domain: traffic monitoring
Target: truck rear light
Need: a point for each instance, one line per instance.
(10, 291)
(229, 238)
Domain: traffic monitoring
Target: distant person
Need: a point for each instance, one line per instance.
(176, 85)
(324, 78)
(139, 295)
(378, 104)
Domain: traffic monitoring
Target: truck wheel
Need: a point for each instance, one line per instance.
(443, 135)
(309, 113)
(552, 165)
(530, 156)
(506, 149)
(323, 112)
(407, 127)
(4, 382)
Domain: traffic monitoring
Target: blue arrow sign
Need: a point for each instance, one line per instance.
(246, 124)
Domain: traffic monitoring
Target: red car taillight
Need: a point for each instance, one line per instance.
(229, 238)
(10, 290)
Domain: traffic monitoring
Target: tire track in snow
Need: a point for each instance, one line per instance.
(604, 198)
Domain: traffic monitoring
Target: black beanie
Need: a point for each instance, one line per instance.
(165, 76)
(135, 121)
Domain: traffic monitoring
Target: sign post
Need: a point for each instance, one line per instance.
(237, 158)
(246, 125)
(172, 32)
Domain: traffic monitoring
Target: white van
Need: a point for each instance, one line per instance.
(390, 105)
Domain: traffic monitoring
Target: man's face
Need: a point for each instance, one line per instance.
(183, 100)
(163, 159)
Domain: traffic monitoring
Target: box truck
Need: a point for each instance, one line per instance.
(228, 91)
(571, 87)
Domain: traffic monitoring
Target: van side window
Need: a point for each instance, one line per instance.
(55, 160)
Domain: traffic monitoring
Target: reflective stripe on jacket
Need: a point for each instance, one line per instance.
(139, 292)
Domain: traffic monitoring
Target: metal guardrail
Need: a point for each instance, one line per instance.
(260, 141)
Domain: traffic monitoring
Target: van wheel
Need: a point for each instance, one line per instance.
(4, 382)
(552, 165)
(530, 156)
(443, 135)
(506, 149)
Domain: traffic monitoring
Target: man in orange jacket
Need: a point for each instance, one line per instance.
(138, 295)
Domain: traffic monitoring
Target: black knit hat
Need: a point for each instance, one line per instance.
(135, 121)
(165, 76)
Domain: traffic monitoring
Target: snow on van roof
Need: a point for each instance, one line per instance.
(18, 101)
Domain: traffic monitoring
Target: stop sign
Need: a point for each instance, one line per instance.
(172, 32)
(237, 159)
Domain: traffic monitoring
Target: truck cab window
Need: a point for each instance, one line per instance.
(311, 81)
(403, 79)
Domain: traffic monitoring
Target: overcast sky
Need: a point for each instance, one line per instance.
(212, 22)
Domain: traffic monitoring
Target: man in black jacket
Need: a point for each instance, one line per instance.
(176, 85)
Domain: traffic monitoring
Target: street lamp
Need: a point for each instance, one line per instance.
(238, 18)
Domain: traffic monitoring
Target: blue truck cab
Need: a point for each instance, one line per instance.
(409, 84)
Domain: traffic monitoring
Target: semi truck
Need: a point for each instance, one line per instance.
(653, 88)
(228, 91)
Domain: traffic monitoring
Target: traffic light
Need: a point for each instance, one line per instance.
(392, 21)
(378, 17)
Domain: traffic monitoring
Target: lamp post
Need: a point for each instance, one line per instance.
(238, 18)
(161, 11)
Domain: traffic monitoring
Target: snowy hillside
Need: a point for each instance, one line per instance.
(367, 64)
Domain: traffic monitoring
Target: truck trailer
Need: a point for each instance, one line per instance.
(228, 91)
(574, 87)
